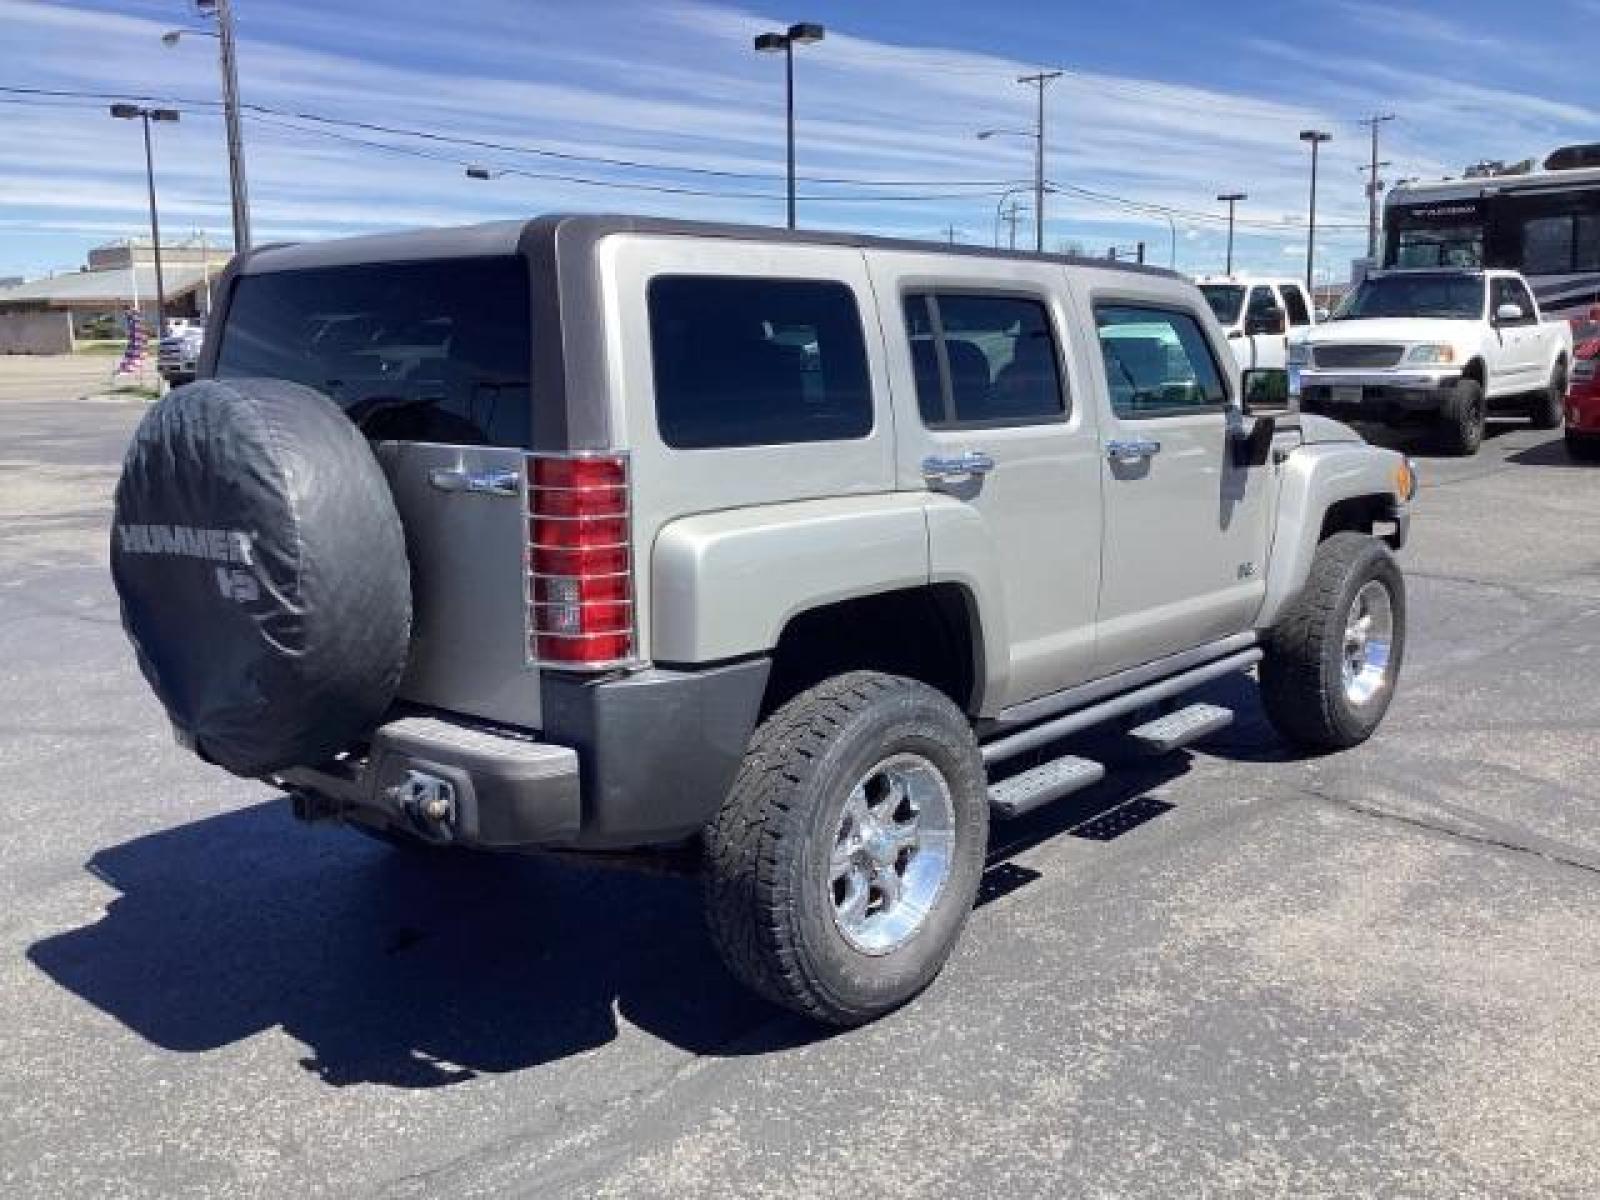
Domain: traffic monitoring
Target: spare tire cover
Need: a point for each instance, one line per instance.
(262, 570)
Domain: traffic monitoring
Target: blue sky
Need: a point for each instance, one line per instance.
(1165, 103)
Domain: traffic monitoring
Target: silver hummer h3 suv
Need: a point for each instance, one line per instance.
(605, 534)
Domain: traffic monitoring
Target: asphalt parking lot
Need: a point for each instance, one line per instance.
(1231, 973)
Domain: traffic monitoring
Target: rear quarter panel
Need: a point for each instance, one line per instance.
(671, 484)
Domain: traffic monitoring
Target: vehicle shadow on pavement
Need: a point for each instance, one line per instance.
(418, 970)
(396, 967)
(1422, 442)
(1548, 454)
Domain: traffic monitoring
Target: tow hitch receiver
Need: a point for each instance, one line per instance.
(429, 802)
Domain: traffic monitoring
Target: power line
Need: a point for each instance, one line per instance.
(560, 177)
(515, 148)
(319, 125)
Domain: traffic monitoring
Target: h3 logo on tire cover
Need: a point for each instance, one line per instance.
(232, 547)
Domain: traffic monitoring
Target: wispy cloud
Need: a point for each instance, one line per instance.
(676, 85)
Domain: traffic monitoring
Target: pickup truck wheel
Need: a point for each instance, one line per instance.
(1549, 405)
(841, 868)
(1334, 656)
(1462, 418)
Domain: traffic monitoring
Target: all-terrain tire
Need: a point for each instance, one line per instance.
(1462, 419)
(1583, 447)
(1303, 687)
(769, 905)
(1549, 405)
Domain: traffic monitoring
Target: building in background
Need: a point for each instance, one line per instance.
(51, 315)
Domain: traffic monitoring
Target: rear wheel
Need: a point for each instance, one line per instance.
(843, 864)
(1549, 404)
(1334, 656)
(1462, 418)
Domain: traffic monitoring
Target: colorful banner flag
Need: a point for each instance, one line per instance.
(133, 357)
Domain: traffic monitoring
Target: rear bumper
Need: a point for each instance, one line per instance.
(639, 760)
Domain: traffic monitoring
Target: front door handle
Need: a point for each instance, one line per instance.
(1132, 449)
(973, 462)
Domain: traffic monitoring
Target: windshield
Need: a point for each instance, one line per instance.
(422, 351)
(1447, 297)
(1225, 299)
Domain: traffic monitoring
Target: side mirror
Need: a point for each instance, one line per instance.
(1322, 314)
(1508, 314)
(1262, 387)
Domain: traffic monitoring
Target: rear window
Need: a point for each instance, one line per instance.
(433, 351)
(757, 362)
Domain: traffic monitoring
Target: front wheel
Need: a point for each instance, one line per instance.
(1462, 419)
(845, 859)
(1334, 656)
(1549, 405)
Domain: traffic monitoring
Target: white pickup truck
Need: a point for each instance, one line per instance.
(1435, 347)
(1259, 316)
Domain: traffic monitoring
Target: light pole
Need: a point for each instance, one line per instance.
(1041, 80)
(803, 34)
(1000, 204)
(222, 12)
(1315, 138)
(1231, 199)
(129, 112)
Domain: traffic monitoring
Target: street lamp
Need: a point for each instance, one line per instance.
(1041, 80)
(222, 12)
(132, 112)
(803, 34)
(1314, 138)
(1230, 199)
(1000, 207)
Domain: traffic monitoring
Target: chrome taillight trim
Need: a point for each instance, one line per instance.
(531, 633)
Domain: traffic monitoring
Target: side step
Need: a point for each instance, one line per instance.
(1031, 789)
(1182, 727)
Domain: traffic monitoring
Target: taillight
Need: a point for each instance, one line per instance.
(580, 569)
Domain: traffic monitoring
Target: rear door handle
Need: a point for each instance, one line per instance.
(481, 483)
(973, 462)
(1132, 449)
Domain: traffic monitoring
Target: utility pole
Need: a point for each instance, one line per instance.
(1010, 215)
(1040, 80)
(230, 106)
(950, 234)
(1373, 184)
(221, 11)
(1231, 199)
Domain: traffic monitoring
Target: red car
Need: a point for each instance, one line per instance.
(1583, 392)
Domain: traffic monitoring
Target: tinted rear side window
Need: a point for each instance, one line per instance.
(433, 351)
(1295, 302)
(983, 360)
(757, 362)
